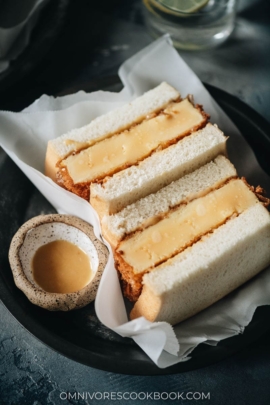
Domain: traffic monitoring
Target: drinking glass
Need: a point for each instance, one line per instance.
(192, 24)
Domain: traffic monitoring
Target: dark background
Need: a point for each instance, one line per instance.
(75, 44)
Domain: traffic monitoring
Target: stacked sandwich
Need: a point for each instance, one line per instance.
(184, 229)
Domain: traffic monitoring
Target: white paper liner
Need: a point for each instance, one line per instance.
(24, 137)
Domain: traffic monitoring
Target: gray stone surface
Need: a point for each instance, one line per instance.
(33, 374)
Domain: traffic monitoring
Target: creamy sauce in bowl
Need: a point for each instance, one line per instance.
(51, 269)
(61, 267)
(57, 261)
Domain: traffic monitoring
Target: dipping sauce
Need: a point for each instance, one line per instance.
(61, 267)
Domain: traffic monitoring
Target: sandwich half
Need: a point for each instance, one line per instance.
(122, 138)
(209, 269)
(147, 250)
(106, 125)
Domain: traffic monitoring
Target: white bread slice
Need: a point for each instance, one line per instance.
(208, 270)
(157, 171)
(107, 125)
(150, 209)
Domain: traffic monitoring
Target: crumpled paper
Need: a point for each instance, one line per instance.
(24, 137)
(14, 33)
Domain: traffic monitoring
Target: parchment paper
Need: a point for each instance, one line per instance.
(24, 137)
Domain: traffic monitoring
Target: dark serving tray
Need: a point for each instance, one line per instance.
(78, 334)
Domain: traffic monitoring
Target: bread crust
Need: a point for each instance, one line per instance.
(148, 305)
(131, 282)
(51, 161)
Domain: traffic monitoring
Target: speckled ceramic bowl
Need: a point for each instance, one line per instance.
(44, 229)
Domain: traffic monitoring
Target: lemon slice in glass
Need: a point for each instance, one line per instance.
(184, 6)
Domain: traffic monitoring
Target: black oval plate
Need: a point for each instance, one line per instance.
(78, 334)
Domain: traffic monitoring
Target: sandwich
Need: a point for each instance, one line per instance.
(209, 269)
(121, 138)
(192, 233)
(184, 229)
